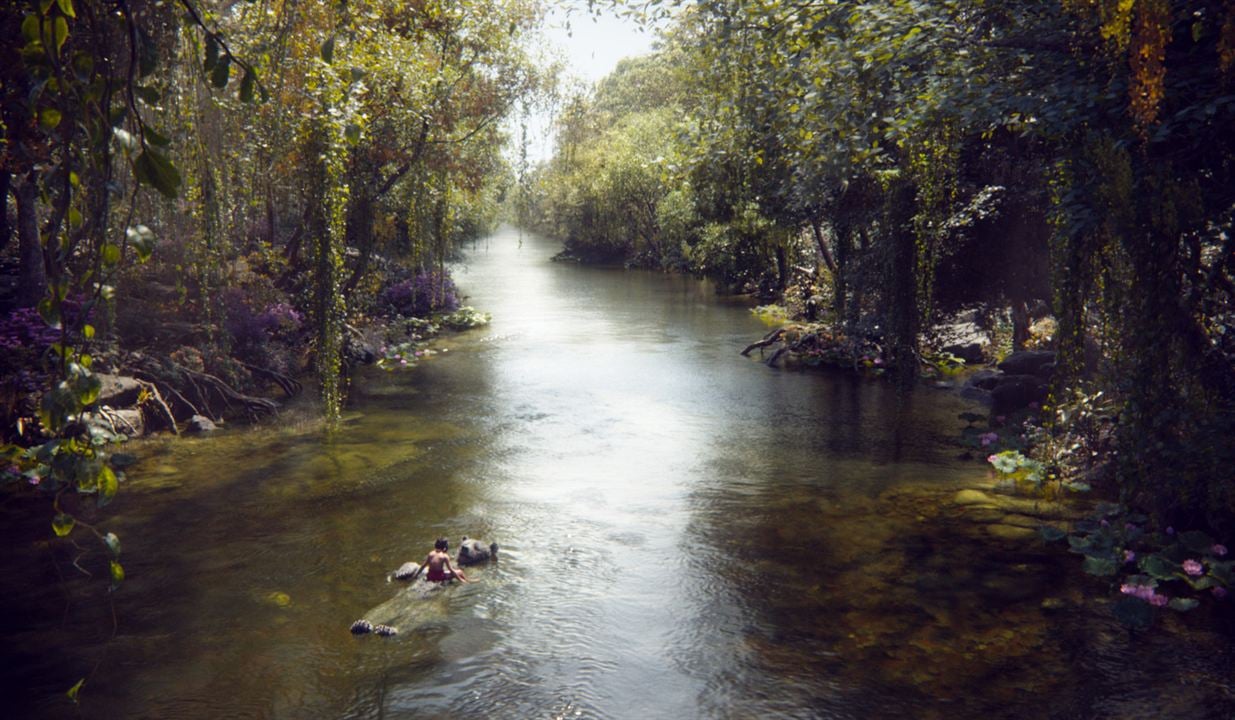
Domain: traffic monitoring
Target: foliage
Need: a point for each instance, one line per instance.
(1151, 570)
(421, 296)
(465, 318)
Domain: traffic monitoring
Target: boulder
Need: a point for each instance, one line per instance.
(1026, 362)
(971, 352)
(1014, 392)
(200, 424)
(128, 421)
(984, 379)
(406, 571)
(118, 390)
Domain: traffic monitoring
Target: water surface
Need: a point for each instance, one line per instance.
(685, 533)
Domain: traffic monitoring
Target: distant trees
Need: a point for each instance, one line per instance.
(922, 155)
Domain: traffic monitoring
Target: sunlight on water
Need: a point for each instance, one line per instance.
(685, 533)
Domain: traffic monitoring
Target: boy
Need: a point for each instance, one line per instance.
(438, 562)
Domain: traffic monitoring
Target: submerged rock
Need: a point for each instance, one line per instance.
(200, 424)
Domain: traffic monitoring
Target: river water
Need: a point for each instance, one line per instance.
(685, 533)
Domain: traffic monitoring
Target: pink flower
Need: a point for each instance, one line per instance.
(1129, 556)
(878, 361)
(1218, 549)
(1193, 567)
(1158, 600)
(1219, 592)
(990, 458)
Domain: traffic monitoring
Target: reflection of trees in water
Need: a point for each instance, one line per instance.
(835, 573)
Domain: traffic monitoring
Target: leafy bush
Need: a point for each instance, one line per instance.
(420, 296)
(466, 317)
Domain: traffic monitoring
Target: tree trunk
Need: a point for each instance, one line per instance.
(821, 244)
(32, 273)
(1020, 324)
(6, 232)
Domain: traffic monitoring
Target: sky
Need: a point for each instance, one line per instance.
(591, 49)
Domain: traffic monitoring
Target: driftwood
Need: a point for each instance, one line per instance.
(769, 339)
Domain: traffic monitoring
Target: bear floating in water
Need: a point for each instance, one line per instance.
(473, 552)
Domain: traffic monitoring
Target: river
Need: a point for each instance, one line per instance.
(685, 533)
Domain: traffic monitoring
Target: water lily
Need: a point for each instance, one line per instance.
(1218, 549)
(1158, 600)
(1193, 567)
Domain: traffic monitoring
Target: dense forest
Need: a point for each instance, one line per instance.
(210, 204)
(884, 166)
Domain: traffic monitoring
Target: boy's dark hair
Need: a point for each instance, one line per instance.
(440, 544)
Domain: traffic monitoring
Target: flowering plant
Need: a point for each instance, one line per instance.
(1153, 570)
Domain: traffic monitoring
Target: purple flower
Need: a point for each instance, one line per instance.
(878, 361)
(1033, 406)
(1170, 530)
(1001, 419)
(1193, 567)
(1219, 592)
(988, 438)
(1218, 549)
(1158, 600)
(1129, 556)
(1104, 522)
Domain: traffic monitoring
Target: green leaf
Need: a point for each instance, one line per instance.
(30, 27)
(88, 389)
(49, 118)
(108, 485)
(62, 524)
(328, 50)
(66, 7)
(60, 32)
(246, 86)
(1160, 568)
(73, 691)
(352, 133)
(142, 240)
(1102, 567)
(75, 218)
(1183, 604)
(212, 53)
(87, 331)
(222, 71)
(110, 255)
(154, 138)
(50, 312)
(117, 573)
(113, 543)
(154, 169)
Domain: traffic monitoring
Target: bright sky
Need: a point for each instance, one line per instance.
(591, 48)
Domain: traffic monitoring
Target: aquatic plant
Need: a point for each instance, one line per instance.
(465, 317)
(1151, 569)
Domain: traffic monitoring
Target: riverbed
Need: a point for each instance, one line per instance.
(684, 532)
